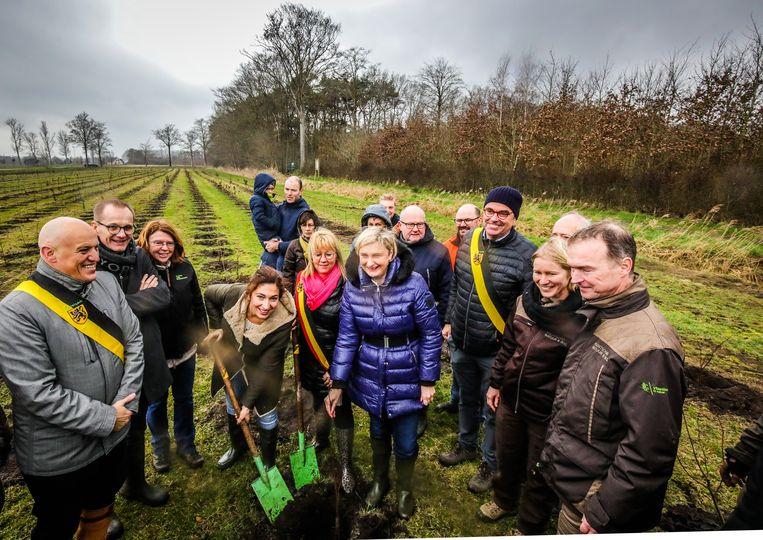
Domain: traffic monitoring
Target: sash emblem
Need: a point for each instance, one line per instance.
(78, 314)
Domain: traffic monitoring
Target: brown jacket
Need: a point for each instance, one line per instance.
(617, 413)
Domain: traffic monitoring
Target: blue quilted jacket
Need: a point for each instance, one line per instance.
(386, 381)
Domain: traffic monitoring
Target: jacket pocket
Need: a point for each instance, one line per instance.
(600, 406)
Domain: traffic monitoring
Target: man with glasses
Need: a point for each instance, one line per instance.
(493, 267)
(146, 294)
(431, 260)
(467, 217)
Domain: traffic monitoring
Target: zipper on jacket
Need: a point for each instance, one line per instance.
(466, 317)
(522, 369)
(593, 401)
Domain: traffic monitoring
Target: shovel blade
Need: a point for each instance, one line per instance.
(273, 494)
(304, 466)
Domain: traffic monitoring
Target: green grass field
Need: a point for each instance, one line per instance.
(705, 276)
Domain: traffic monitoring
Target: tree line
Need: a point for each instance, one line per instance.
(193, 142)
(680, 135)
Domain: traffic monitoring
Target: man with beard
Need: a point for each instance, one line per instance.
(146, 294)
(467, 217)
(432, 261)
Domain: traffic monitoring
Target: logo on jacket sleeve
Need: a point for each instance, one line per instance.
(653, 389)
(78, 314)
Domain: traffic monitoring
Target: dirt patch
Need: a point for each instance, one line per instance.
(10, 474)
(722, 395)
(685, 518)
(217, 252)
(222, 265)
(343, 232)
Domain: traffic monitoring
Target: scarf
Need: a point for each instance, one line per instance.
(318, 288)
(557, 318)
(303, 243)
(119, 264)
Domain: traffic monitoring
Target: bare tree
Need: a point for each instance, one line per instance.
(145, 148)
(297, 47)
(62, 139)
(47, 138)
(441, 86)
(558, 79)
(101, 140)
(169, 136)
(201, 126)
(81, 132)
(17, 135)
(31, 143)
(189, 142)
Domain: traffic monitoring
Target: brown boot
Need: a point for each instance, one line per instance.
(94, 523)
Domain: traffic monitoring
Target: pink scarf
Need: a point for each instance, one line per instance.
(318, 288)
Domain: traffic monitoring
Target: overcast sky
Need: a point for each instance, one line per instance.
(138, 64)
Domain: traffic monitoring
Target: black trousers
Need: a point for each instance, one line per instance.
(344, 418)
(59, 500)
(518, 445)
(748, 515)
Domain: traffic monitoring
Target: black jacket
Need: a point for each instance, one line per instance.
(184, 322)
(129, 269)
(293, 263)
(511, 270)
(433, 263)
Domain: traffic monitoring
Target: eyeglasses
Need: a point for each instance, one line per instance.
(465, 220)
(159, 243)
(113, 228)
(328, 255)
(413, 225)
(503, 215)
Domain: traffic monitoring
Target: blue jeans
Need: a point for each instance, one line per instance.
(182, 394)
(454, 390)
(269, 259)
(402, 429)
(473, 376)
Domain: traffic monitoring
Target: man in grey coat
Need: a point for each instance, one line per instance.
(72, 356)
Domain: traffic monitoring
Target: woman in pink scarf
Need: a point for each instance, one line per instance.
(318, 295)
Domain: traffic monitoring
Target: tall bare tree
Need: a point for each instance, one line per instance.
(17, 135)
(189, 142)
(201, 126)
(101, 140)
(169, 136)
(62, 139)
(441, 86)
(32, 143)
(145, 148)
(81, 132)
(297, 47)
(48, 138)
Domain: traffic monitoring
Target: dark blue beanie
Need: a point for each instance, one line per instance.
(506, 195)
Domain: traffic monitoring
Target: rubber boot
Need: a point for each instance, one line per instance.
(344, 439)
(135, 487)
(322, 422)
(162, 454)
(237, 448)
(93, 524)
(116, 529)
(268, 442)
(381, 451)
(423, 423)
(405, 501)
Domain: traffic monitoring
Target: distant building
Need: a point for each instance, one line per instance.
(8, 160)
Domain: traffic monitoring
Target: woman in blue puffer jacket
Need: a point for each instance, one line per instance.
(388, 355)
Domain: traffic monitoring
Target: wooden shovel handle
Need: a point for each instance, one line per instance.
(297, 378)
(232, 396)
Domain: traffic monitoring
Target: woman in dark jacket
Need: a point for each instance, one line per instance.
(522, 388)
(251, 325)
(295, 259)
(183, 325)
(265, 216)
(318, 297)
(388, 355)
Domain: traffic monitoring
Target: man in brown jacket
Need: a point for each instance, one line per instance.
(613, 438)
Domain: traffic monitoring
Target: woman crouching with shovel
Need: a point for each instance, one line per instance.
(318, 295)
(252, 323)
(388, 355)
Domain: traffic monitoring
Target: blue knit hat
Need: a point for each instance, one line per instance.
(506, 195)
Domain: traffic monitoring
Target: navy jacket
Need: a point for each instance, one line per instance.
(289, 213)
(432, 261)
(265, 216)
(386, 381)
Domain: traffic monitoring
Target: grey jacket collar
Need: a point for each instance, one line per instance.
(70, 283)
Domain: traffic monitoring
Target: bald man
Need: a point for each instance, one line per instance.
(569, 224)
(72, 356)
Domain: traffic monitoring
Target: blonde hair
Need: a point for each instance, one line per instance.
(370, 235)
(555, 250)
(323, 239)
(388, 197)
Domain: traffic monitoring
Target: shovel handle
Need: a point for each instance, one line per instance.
(232, 396)
(297, 378)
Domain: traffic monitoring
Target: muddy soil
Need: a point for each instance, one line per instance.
(685, 518)
(722, 395)
(343, 232)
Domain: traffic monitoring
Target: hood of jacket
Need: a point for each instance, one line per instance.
(399, 269)
(375, 210)
(261, 183)
(236, 318)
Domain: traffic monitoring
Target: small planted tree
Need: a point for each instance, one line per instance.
(169, 136)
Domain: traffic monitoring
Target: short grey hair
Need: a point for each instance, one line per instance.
(619, 241)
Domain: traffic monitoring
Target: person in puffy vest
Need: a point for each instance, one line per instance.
(388, 356)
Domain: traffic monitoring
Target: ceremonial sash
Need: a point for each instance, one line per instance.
(305, 318)
(76, 311)
(483, 281)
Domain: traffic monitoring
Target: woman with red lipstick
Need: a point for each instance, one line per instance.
(183, 325)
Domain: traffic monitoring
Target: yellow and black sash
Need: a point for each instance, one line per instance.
(305, 317)
(483, 281)
(80, 313)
